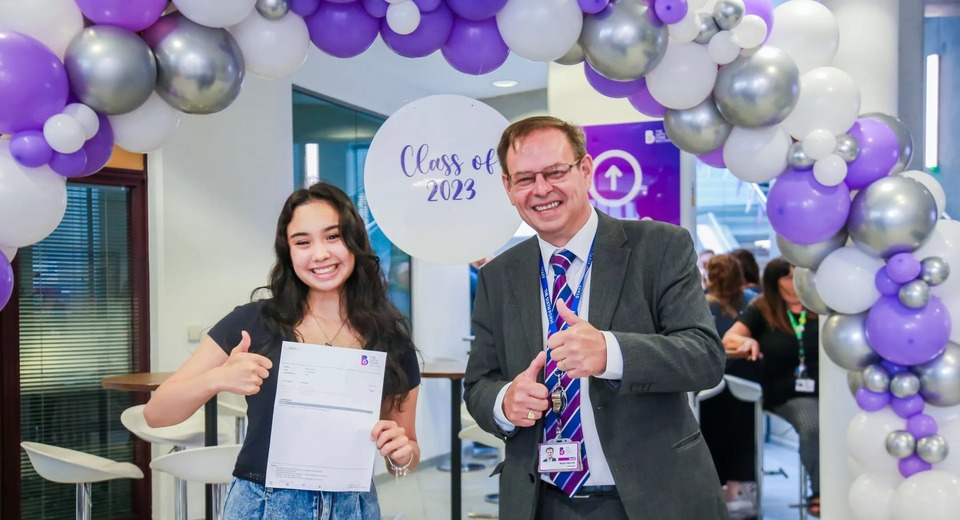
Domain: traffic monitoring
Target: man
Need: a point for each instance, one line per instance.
(637, 336)
(549, 456)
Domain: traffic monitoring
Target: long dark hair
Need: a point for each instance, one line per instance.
(725, 284)
(771, 302)
(364, 295)
(748, 263)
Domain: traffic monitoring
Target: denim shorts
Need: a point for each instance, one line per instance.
(248, 501)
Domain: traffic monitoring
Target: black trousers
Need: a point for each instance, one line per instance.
(555, 505)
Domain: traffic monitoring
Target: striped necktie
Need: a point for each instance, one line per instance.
(568, 481)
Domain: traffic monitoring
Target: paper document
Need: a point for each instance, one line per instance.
(328, 399)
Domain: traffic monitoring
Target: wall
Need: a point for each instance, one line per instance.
(942, 35)
(517, 106)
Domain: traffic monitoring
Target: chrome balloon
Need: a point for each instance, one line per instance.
(708, 27)
(847, 147)
(810, 255)
(933, 449)
(934, 270)
(892, 215)
(624, 41)
(111, 70)
(876, 378)
(903, 137)
(728, 13)
(573, 56)
(806, 287)
(854, 381)
(797, 158)
(940, 377)
(758, 89)
(844, 339)
(697, 130)
(914, 294)
(273, 9)
(904, 384)
(900, 444)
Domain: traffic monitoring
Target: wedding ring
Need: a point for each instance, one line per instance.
(561, 366)
(532, 415)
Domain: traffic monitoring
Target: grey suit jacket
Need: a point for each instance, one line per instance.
(645, 289)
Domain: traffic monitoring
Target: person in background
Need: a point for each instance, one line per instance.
(326, 288)
(751, 271)
(777, 328)
(618, 308)
(702, 258)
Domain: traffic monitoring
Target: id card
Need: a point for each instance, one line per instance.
(559, 455)
(806, 385)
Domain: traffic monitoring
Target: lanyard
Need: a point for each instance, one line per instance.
(574, 305)
(798, 326)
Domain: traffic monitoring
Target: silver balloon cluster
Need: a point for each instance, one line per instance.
(903, 384)
(892, 215)
(847, 148)
(726, 15)
(915, 294)
(624, 41)
(931, 448)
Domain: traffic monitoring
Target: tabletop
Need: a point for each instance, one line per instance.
(137, 382)
(446, 369)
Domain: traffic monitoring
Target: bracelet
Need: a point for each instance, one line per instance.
(400, 471)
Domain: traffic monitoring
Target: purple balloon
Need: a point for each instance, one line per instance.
(69, 164)
(643, 101)
(429, 36)
(612, 88)
(476, 10)
(670, 11)
(426, 6)
(908, 336)
(921, 425)
(903, 267)
(593, 6)
(870, 401)
(761, 8)
(342, 30)
(912, 465)
(879, 151)
(475, 47)
(6, 280)
(304, 8)
(99, 148)
(30, 149)
(885, 285)
(132, 16)
(907, 407)
(33, 85)
(804, 211)
(376, 8)
(714, 158)
(892, 368)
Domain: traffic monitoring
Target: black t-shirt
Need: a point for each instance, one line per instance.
(781, 355)
(252, 461)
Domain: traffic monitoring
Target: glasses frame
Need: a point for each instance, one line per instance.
(551, 175)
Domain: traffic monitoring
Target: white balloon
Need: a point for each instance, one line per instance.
(867, 437)
(9, 252)
(818, 144)
(693, 5)
(32, 201)
(272, 48)
(751, 31)
(830, 171)
(724, 47)
(686, 29)
(807, 31)
(64, 133)
(756, 154)
(403, 17)
(216, 13)
(52, 22)
(684, 77)
(928, 495)
(540, 30)
(870, 495)
(932, 185)
(86, 116)
(829, 100)
(845, 281)
(146, 128)
(438, 195)
(944, 242)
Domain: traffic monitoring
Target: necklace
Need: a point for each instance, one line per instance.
(329, 342)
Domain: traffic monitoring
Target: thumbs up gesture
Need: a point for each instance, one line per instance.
(243, 372)
(526, 399)
(580, 350)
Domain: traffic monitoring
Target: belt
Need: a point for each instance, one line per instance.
(586, 491)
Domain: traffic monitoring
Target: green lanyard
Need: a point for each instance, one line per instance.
(798, 328)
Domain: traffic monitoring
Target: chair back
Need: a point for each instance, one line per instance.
(743, 389)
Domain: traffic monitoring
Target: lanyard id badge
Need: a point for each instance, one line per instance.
(559, 454)
(804, 384)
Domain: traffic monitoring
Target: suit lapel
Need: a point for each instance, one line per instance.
(608, 272)
(525, 283)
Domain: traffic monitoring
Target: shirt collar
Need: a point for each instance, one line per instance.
(580, 243)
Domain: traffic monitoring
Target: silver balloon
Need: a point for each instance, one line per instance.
(900, 443)
(728, 13)
(696, 130)
(876, 378)
(934, 270)
(904, 384)
(933, 449)
(759, 89)
(844, 339)
(847, 147)
(940, 377)
(915, 294)
(200, 68)
(810, 255)
(573, 56)
(624, 41)
(708, 27)
(111, 70)
(273, 9)
(903, 137)
(854, 381)
(892, 215)
(797, 158)
(806, 287)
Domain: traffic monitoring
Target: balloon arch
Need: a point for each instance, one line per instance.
(739, 83)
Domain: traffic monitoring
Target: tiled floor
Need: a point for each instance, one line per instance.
(425, 494)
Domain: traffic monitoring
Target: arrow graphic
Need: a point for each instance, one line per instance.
(613, 173)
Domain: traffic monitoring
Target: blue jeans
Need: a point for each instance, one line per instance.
(248, 501)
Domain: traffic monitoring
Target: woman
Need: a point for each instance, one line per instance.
(326, 288)
(751, 271)
(777, 328)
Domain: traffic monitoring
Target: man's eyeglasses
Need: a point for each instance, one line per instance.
(553, 175)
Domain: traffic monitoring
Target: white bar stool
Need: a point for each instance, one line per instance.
(208, 465)
(228, 406)
(68, 466)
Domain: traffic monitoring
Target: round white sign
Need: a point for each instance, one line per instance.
(433, 182)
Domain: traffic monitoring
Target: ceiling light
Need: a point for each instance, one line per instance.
(504, 83)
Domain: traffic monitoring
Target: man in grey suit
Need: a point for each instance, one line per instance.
(637, 336)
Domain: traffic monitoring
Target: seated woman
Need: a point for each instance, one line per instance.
(777, 328)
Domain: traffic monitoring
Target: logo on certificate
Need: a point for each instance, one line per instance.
(364, 361)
